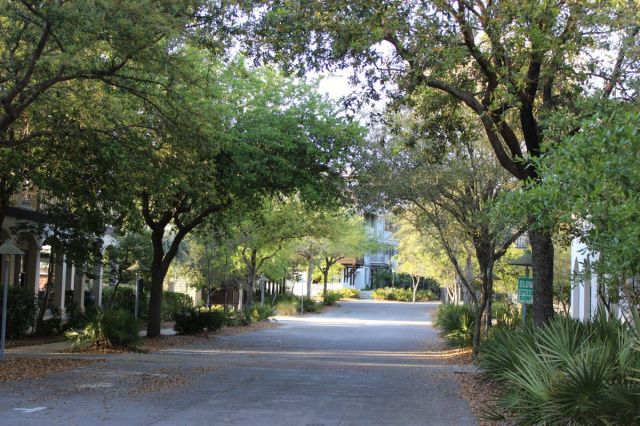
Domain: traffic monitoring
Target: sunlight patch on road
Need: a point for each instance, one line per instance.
(325, 321)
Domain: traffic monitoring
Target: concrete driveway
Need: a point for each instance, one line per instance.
(364, 363)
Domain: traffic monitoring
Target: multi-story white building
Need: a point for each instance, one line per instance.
(358, 272)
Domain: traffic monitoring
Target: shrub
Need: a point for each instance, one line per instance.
(22, 306)
(403, 294)
(287, 307)
(311, 305)
(566, 372)
(289, 304)
(114, 328)
(126, 299)
(349, 293)
(261, 312)
(331, 297)
(456, 323)
(173, 303)
(238, 319)
(193, 321)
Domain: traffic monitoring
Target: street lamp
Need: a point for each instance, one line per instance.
(261, 282)
(526, 261)
(7, 249)
(137, 267)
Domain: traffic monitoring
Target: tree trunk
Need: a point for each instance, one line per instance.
(477, 327)
(325, 280)
(159, 267)
(542, 252)
(251, 278)
(309, 277)
(416, 283)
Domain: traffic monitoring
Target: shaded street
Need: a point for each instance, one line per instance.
(365, 363)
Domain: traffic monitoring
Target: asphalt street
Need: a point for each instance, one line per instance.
(363, 363)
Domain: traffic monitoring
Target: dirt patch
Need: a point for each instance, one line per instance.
(480, 394)
(33, 368)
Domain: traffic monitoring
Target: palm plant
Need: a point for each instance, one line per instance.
(567, 372)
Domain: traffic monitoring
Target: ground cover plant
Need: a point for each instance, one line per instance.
(289, 304)
(402, 294)
(193, 321)
(456, 323)
(349, 293)
(107, 329)
(566, 372)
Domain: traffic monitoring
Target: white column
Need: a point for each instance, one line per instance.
(33, 270)
(60, 280)
(78, 290)
(97, 284)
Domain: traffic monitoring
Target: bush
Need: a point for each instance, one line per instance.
(331, 297)
(566, 372)
(22, 307)
(172, 303)
(116, 328)
(238, 319)
(289, 304)
(193, 321)
(456, 323)
(349, 293)
(403, 294)
(126, 300)
(287, 307)
(261, 312)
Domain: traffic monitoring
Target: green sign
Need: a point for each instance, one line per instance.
(525, 290)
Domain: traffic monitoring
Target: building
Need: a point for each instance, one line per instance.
(359, 272)
(30, 270)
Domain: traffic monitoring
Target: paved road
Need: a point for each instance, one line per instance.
(364, 363)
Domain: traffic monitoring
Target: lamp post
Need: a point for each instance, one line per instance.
(261, 282)
(137, 267)
(526, 261)
(7, 249)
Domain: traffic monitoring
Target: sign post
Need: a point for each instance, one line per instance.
(525, 295)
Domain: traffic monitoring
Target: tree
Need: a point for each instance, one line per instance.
(344, 236)
(127, 247)
(450, 201)
(231, 137)
(590, 186)
(55, 59)
(512, 64)
(412, 257)
(263, 233)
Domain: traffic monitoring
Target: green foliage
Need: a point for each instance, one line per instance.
(403, 294)
(506, 314)
(331, 297)
(173, 303)
(22, 306)
(193, 321)
(566, 372)
(261, 312)
(349, 293)
(238, 319)
(107, 329)
(289, 304)
(125, 299)
(456, 323)
(287, 307)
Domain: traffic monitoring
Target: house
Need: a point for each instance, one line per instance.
(359, 272)
(30, 270)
